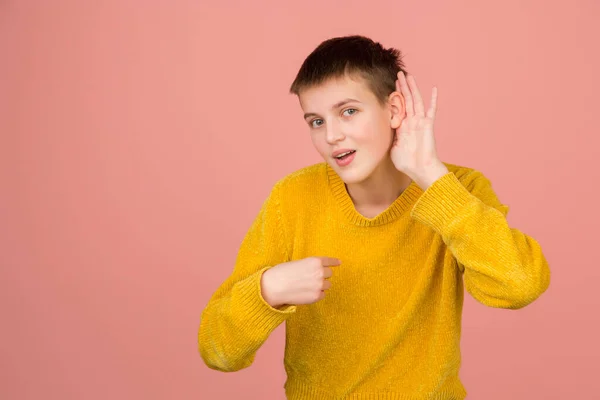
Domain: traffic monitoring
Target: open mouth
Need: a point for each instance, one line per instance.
(345, 155)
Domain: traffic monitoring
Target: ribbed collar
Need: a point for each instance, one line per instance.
(403, 203)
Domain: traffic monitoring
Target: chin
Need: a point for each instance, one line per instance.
(353, 174)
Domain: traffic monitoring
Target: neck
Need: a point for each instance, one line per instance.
(381, 188)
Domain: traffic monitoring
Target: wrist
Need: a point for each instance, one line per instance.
(432, 174)
(266, 291)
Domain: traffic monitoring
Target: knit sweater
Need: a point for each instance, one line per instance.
(389, 326)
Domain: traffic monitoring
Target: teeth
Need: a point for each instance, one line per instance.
(343, 154)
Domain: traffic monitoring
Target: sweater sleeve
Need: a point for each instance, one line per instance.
(237, 320)
(502, 267)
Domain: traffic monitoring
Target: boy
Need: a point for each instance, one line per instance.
(365, 255)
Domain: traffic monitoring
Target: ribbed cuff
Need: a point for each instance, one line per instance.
(255, 308)
(442, 202)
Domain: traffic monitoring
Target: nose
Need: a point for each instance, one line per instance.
(333, 133)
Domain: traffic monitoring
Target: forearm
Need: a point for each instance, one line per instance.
(502, 266)
(235, 325)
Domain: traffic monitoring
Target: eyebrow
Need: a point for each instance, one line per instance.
(333, 107)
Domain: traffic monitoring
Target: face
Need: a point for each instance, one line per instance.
(344, 115)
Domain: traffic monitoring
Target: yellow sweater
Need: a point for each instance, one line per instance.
(389, 327)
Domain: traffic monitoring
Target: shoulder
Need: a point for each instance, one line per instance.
(310, 179)
(299, 192)
(477, 184)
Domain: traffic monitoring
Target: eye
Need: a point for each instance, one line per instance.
(351, 109)
(313, 121)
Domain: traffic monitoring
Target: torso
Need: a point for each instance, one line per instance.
(370, 211)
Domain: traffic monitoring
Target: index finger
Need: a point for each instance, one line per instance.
(410, 110)
(330, 261)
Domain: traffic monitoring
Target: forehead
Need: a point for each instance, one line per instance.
(321, 97)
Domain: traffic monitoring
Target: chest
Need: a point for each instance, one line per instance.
(399, 248)
(381, 266)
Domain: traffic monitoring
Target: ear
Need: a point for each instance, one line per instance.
(397, 109)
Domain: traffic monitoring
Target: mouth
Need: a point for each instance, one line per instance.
(345, 159)
(344, 155)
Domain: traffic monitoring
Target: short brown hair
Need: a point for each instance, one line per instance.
(351, 55)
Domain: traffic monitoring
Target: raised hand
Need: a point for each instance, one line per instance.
(414, 151)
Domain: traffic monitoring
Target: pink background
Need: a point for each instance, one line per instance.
(138, 140)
